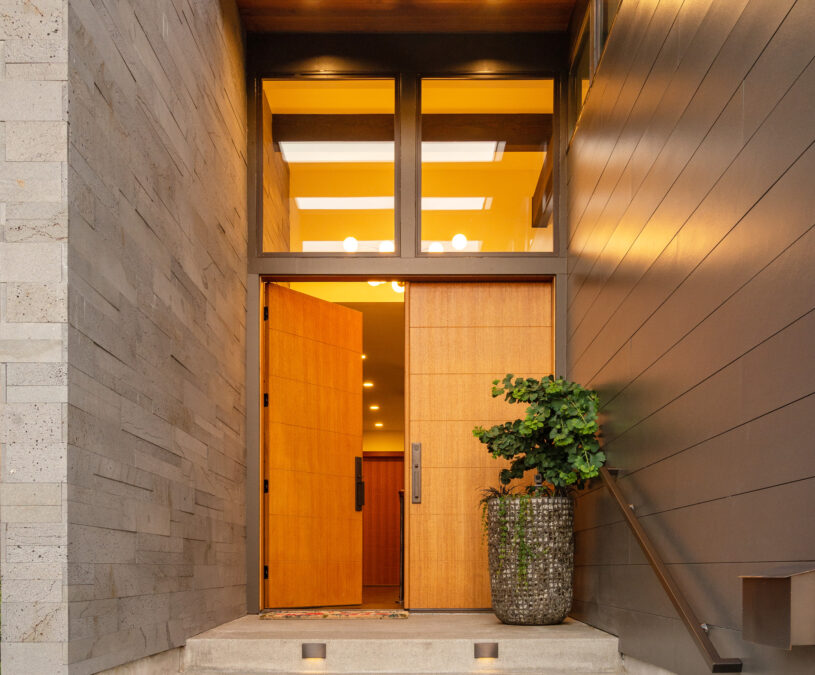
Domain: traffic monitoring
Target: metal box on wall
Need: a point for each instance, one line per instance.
(778, 608)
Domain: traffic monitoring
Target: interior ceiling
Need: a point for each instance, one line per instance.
(406, 16)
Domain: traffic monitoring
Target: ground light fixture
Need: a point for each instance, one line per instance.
(364, 356)
(367, 385)
(485, 650)
(313, 650)
(373, 407)
(378, 424)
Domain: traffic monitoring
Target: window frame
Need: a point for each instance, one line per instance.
(417, 198)
(322, 77)
(529, 56)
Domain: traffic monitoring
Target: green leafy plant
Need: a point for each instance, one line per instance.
(557, 438)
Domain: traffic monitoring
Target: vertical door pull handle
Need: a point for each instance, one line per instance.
(416, 473)
(359, 485)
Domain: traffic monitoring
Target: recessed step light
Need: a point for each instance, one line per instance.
(485, 650)
(313, 650)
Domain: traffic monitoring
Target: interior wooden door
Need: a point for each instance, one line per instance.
(461, 336)
(384, 477)
(312, 433)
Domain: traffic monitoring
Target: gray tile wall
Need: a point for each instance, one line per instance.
(33, 335)
(122, 379)
(690, 309)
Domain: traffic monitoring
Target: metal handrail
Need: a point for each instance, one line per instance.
(716, 663)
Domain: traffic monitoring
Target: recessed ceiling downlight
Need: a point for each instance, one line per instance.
(459, 242)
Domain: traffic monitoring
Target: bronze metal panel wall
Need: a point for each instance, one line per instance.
(690, 306)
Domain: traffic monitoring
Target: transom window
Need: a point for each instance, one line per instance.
(332, 156)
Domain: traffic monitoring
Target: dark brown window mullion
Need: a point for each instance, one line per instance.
(408, 163)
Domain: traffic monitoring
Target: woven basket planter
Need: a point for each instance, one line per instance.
(543, 595)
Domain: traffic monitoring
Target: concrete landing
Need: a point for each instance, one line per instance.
(423, 643)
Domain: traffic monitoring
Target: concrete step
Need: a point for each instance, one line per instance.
(422, 644)
(543, 671)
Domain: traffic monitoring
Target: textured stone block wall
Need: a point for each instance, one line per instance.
(33, 315)
(156, 335)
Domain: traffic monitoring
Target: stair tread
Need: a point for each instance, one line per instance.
(423, 644)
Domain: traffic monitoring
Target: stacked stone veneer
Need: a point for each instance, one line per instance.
(33, 330)
(122, 328)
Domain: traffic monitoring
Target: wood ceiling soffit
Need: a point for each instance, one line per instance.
(477, 16)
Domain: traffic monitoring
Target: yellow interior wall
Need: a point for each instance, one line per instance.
(383, 441)
(331, 97)
(441, 96)
(348, 291)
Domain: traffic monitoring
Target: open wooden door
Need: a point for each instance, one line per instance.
(312, 434)
(461, 336)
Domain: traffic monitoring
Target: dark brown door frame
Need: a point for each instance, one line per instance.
(407, 58)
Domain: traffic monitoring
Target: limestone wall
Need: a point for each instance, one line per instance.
(156, 326)
(33, 314)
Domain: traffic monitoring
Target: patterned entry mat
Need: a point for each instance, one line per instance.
(335, 614)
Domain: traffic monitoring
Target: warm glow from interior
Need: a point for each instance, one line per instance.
(319, 194)
(348, 291)
(487, 96)
(316, 192)
(509, 181)
(387, 203)
(373, 407)
(330, 97)
(310, 152)
(378, 424)
(368, 384)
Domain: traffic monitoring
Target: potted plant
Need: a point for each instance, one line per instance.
(530, 527)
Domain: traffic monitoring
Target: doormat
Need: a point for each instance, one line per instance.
(336, 614)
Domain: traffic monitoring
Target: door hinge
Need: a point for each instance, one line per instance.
(265, 400)
(265, 313)
(265, 486)
(265, 571)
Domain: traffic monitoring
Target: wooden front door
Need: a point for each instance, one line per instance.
(461, 336)
(384, 474)
(312, 433)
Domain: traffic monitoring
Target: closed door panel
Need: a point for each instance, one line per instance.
(312, 431)
(462, 336)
